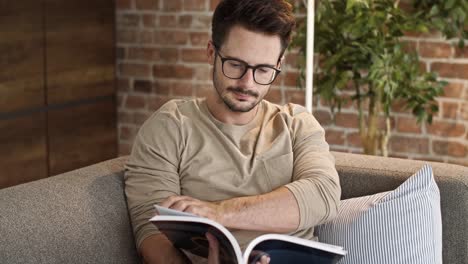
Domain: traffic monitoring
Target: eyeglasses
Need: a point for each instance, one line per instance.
(236, 69)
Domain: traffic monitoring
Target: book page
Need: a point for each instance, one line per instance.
(286, 249)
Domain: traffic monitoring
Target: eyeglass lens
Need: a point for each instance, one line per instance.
(236, 69)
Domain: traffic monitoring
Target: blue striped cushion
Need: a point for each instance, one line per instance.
(396, 227)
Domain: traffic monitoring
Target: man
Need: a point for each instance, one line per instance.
(252, 166)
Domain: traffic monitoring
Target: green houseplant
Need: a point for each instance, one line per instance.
(362, 58)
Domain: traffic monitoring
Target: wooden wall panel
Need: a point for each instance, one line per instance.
(82, 135)
(80, 53)
(21, 55)
(23, 149)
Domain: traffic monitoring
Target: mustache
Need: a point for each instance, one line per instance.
(242, 91)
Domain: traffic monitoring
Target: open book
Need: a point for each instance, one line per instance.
(188, 232)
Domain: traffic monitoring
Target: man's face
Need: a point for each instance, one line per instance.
(242, 95)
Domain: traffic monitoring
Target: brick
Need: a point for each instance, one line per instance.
(145, 54)
(348, 120)
(450, 70)
(410, 46)
(126, 36)
(354, 139)
(194, 55)
(291, 79)
(201, 22)
(464, 111)
(123, 4)
(140, 117)
(435, 50)
(135, 102)
(145, 37)
(446, 129)
(154, 103)
(124, 149)
(120, 53)
(292, 59)
(199, 39)
(128, 20)
(409, 144)
(142, 86)
(274, 96)
(449, 110)
(172, 71)
(147, 4)
(123, 85)
(407, 125)
(182, 89)
(323, 117)
(124, 117)
(195, 5)
(201, 73)
(126, 133)
(149, 20)
(399, 106)
(171, 37)
(167, 21)
(453, 90)
(335, 137)
(120, 100)
(295, 96)
(185, 21)
(169, 54)
(214, 4)
(461, 53)
(448, 148)
(134, 70)
(172, 5)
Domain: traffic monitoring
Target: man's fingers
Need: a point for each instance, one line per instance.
(170, 201)
(213, 256)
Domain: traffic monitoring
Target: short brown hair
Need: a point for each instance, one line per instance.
(273, 17)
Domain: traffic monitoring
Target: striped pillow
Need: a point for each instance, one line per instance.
(400, 226)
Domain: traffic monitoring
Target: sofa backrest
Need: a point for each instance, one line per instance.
(81, 216)
(76, 217)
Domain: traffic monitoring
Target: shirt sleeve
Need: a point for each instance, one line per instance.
(152, 171)
(315, 182)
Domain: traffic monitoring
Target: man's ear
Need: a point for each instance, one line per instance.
(210, 52)
(280, 62)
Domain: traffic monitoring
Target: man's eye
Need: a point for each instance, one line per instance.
(235, 64)
(264, 70)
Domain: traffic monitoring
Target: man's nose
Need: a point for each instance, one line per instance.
(248, 79)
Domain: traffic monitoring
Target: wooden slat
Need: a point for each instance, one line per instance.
(80, 49)
(22, 149)
(81, 136)
(21, 55)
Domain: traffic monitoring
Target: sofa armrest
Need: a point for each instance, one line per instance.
(363, 175)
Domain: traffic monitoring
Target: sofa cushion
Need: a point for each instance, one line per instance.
(400, 226)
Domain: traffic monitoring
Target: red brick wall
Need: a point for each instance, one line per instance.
(161, 55)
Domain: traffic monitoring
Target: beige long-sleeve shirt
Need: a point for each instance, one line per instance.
(183, 150)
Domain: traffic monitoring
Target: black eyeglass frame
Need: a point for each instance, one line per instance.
(247, 67)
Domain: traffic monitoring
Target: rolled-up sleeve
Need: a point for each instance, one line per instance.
(315, 182)
(152, 171)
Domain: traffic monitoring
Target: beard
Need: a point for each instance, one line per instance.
(233, 103)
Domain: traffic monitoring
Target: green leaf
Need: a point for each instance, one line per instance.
(449, 4)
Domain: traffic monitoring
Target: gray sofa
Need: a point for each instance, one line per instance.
(81, 216)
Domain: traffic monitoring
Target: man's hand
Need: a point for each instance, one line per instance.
(210, 210)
